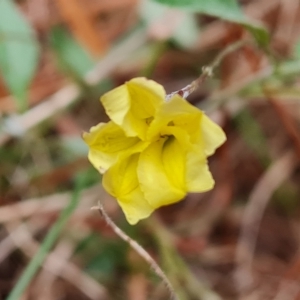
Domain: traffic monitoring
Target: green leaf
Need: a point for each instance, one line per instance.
(187, 31)
(19, 51)
(228, 10)
(71, 57)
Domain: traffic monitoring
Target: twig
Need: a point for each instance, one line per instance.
(287, 122)
(287, 20)
(220, 97)
(45, 280)
(138, 248)
(207, 71)
(49, 204)
(258, 200)
(288, 288)
(7, 244)
(21, 235)
(48, 242)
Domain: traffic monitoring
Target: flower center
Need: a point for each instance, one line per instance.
(149, 120)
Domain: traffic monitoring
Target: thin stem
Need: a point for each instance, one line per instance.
(47, 244)
(229, 49)
(207, 71)
(138, 248)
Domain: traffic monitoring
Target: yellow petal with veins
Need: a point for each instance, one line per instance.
(198, 177)
(180, 134)
(121, 182)
(121, 178)
(179, 113)
(106, 142)
(135, 206)
(213, 135)
(173, 159)
(132, 104)
(146, 96)
(155, 184)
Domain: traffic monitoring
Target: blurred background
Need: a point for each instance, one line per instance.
(239, 241)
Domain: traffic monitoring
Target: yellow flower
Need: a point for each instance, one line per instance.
(152, 152)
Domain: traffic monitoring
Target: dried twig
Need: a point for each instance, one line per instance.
(138, 248)
(258, 200)
(289, 288)
(54, 263)
(207, 71)
(287, 121)
(285, 34)
(49, 204)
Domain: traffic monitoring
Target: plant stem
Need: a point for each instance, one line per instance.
(138, 248)
(47, 244)
(207, 71)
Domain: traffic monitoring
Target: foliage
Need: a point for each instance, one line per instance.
(19, 51)
(228, 10)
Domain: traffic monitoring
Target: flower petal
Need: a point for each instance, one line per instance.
(100, 160)
(188, 164)
(117, 103)
(179, 113)
(198, 177)
(173, 159)
(121, 178)
(106, 141)
(121, 182)
(146, 96)
(135, 206)
(108, 137)
(213, 135)
(131, 104)
(155, 184)
(180, 134)
(134, 126)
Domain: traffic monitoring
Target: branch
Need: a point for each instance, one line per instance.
(207, 71)
(138, 248)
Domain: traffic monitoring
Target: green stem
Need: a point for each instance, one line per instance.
(48, 243)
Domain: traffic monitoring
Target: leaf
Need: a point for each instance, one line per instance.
(70, 55)
(187, 31)
(19, 51)
(228, 10)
